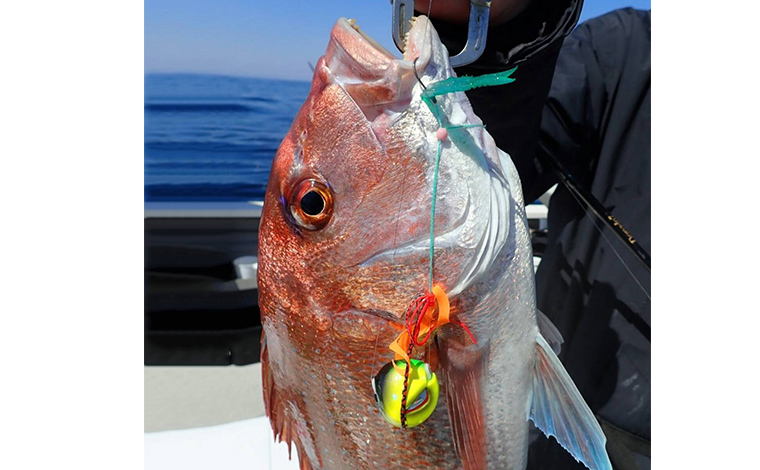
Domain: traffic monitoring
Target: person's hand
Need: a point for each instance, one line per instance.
(458, 11)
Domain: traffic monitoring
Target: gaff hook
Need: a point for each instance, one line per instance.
(477, 31)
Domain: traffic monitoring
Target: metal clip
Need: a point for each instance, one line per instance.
(477, 30)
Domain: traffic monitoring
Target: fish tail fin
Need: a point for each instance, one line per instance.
(558, 409)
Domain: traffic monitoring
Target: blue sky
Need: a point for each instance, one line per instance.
(274, 39)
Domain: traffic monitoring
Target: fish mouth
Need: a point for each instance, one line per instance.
(374, 78)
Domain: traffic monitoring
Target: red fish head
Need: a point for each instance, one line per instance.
(347, 210)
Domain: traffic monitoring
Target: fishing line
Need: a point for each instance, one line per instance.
(435, 177)
(377, 340)
(432, 215)
(430, 6)
(592, 206)
(601, 231)
(590, 202)
(434, 197)
(440, 88)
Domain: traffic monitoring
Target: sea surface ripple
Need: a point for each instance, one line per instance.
(213, 138)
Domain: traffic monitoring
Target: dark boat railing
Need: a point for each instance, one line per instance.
(199, 309)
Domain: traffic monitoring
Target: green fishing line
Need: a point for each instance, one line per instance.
(453, 85)
(432, 214)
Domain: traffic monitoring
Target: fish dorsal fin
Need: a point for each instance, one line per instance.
(462, 368)
(550, 332)
(275, 409)
(558, 409)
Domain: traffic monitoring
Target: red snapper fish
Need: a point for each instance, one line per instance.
(344, 249)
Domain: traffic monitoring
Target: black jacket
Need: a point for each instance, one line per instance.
(597, 122)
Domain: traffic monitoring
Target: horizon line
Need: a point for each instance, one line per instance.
(228, 75)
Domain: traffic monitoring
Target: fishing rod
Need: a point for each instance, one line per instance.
(596, 207)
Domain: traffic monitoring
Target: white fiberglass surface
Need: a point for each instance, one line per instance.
(247, 444)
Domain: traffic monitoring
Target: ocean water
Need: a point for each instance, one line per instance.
(212, 138)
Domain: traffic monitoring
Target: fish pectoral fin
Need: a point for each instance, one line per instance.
(550, 332)
(272, 401)
(275, 409)
(462, 368)
(559, 410)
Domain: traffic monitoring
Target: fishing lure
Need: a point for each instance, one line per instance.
(405, 379)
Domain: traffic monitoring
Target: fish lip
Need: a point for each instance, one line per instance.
(361, 53)
(369, 73)
(350, 26)
(418, 42)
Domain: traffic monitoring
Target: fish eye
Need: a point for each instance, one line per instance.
(311, 204)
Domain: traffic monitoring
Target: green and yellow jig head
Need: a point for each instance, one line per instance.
(422, 391)
(405, 380)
